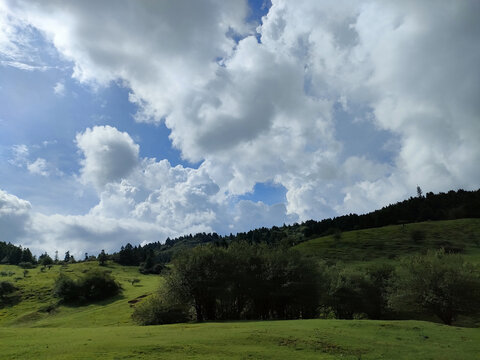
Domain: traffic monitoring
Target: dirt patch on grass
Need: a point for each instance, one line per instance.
(320, 345)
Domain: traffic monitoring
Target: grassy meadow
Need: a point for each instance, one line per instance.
(38, 328)
(392, 242)
(305, 339)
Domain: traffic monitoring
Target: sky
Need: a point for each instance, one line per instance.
(133, 121)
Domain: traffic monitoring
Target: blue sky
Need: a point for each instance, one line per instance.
(133, 122)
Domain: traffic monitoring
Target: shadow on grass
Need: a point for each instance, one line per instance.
(104, 302)
(10, 300)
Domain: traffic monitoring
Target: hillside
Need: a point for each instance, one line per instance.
(38, 308)
(438, 207)
(390, 242)
(37, 328)
(361, 246)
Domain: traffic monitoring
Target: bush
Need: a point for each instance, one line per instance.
(8, 293)
(417, 236)
(6, 288)
(155, 310)
(92, 286)
(155, 269)
(440, 283)
(66, 288)
(99, 286)
(26, 265)
(346, 291)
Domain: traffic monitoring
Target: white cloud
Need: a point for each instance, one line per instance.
(20, 155)
(59, 89)
(265, 111)
(145, 201)
(39, 167)
(17, 43)
(250, 215)
(14, 217)
(110, 155)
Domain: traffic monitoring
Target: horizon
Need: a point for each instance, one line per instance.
(137, 122)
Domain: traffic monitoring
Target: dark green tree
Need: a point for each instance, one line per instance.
(45, 259)
(102, 258)
(346, 292)
(419, 192)
(440, 283)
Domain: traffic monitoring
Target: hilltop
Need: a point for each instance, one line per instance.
(431, 207)
(390, 242)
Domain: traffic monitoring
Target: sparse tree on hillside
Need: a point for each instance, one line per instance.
(419, 192)
(102, 258)
(45, 259)
(134, 281)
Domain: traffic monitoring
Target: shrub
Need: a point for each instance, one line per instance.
(8, 293)
(417, 236)
(440, 283)
(346, 291)
(155, 310)
(92, 286)
(134, 281)
(99, 285)
(26, 265)
(155, 269)
(66, 288)
(6, 288)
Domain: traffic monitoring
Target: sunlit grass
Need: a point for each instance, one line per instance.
(37, 298)
(391, 242)
(302, 339)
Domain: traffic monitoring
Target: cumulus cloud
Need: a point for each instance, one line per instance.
(21, 155)
(255, 111)
(145, 201)
(14, 217)
(109, 155)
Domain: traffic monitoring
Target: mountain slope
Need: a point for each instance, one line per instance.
(390, 242)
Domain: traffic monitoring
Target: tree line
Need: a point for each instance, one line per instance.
(14, 255)
(442, 206)
(245, 281)
(152, 257)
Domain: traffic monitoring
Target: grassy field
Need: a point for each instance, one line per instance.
(37, 299)
(305, 339)
(391, 242)
(38, 328)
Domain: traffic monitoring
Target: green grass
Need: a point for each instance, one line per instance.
(391, 242)
(305, 339)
